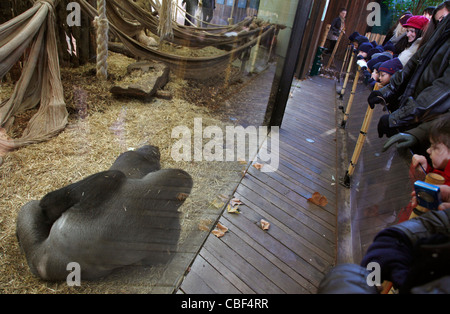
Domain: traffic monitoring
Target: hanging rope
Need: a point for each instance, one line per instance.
(165, 21)
(101, 23)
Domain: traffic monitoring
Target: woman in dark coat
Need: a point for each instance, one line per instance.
(337, 26)
(421, 91)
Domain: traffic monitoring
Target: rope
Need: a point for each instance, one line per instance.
(165, 21)
(101, 23)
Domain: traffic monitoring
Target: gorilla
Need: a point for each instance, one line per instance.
(123, 216)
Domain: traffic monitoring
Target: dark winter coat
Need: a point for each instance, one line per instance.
(413, 255)
(336, 26)
(421, 91)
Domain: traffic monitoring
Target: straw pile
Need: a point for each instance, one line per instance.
(100, 128)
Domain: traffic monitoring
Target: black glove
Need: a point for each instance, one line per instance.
(403, 141)
(384, 128)
(375, 97)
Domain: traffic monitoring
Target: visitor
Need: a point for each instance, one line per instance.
(387, 69)
(208, 11)
(439, 150)
(409, 45)
(399, 31)
(428, 12)
(337, 26)
(420, 92)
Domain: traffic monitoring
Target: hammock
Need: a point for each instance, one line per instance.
(187, 67)
(40, 80)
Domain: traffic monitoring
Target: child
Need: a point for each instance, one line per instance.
(363, 50)
(387, 69)
(439, 150)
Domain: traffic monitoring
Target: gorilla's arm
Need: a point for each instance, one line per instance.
(89, 193)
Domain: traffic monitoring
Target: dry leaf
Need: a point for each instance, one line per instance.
(218, 233)
(318, 199)
(265, 225)
(235, 201)
(233, 210)
(221, 227)
(220, 230)
(257, 165)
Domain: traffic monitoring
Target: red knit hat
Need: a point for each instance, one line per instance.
(417, 21)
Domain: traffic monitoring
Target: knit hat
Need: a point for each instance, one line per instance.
(389, 46)
(391, 66)
(361, 39)
(377, 49)
(404, 18)
(365, 47)
(380, 59)
(353, 36)
(417, 21)
(377, 66)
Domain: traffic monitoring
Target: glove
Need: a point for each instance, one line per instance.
(362, 64)
(403, 141)
(375, 97)
(384, 128)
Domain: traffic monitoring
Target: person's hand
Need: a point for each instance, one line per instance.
(419, 160)
(445, 195)
(402, 140)
(362, 64)
(375, 97)
(384, 128)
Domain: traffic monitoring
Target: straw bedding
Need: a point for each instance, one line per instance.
(100, 128)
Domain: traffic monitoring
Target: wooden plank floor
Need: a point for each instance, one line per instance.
(300, 245)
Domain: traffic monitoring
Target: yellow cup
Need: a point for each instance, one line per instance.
(434, 178)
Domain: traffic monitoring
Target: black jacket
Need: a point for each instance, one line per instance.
(413, 255)
(421, 91)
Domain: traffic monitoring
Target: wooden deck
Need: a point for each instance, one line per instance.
(300, 245)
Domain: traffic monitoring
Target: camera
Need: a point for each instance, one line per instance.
(428, 195)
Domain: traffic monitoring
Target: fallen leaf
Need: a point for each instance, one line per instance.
(218, 233)
(318, 199)
(221, 227)
(265, 225)
(235, 201)
(233, 210)
(257, 165)
(220, 230)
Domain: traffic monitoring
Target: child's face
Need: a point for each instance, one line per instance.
(375, 75)
(384, 78)
(439, 155)
(363, 54)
